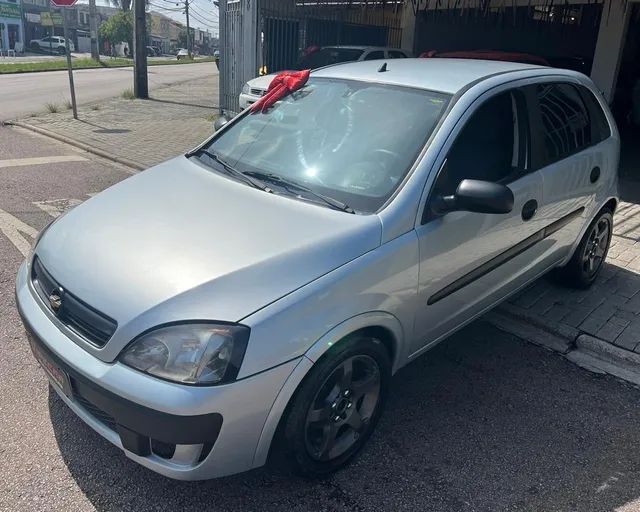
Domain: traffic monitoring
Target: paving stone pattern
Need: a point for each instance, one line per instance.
(610, 309)
(146, 132)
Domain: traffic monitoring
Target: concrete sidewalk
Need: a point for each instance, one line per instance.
(138, 133)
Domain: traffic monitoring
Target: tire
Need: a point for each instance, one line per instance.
(61, 50)
(331, 416)
(586, 262)
(35, 47)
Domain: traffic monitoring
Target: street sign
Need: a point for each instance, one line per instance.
(63, 3)
(50, 19)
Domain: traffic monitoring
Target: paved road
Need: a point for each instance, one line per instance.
(485, 422)
(25, 93)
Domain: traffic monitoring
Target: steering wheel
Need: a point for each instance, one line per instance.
(391, 157)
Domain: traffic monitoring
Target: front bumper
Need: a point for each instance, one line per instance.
(183, 432)
(246, 100)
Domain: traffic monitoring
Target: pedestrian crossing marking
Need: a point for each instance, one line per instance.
(21, 162)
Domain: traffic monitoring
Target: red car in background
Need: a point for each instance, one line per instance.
(524, 58)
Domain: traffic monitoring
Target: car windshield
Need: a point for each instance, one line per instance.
(327, 56)
(351, 141)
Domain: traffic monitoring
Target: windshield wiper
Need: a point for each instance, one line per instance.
(235, 172)
(294, 185)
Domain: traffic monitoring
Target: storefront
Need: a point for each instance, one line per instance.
(11, 30)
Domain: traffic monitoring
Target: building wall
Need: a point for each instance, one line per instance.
(11, 26)
(526, 30)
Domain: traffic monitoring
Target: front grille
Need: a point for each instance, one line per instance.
(96, 412)
(258, 92)
(85, 321)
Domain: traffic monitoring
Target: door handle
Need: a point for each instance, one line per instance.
(595, 174)
(529, 209)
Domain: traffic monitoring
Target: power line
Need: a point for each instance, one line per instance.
(202, 15)
(205, 15)
(202, 22)
(179, 9)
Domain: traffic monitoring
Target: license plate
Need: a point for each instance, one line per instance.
(55, 374)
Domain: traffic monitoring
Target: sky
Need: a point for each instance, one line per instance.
(202, 13)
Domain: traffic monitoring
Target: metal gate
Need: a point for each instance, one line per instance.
(238, 40)
(264, 36)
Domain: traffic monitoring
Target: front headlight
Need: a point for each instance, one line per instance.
(203, 353)
(246, 88)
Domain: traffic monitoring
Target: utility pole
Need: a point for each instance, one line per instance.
(140, 79)
(186, 11)
(93, 30)
(72, 88)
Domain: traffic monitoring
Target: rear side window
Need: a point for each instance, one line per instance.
(395, 54)
(600, 129)
(565, 121)
(374, 55)
(328, 56)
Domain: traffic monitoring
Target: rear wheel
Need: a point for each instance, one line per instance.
(583, 268)
(336, 408)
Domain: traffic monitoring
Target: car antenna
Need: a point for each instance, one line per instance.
(383, 68)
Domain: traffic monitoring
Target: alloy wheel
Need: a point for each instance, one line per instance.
(342, 408)
(596, 247)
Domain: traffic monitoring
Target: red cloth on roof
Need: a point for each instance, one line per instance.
(282, 84)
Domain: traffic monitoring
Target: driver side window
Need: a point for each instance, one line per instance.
(492, 146)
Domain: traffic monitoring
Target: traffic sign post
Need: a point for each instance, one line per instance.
(72, 89)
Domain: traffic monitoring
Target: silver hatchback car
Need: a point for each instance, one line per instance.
(257, 294)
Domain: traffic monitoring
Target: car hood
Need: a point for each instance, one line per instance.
(262, 82)
(181, 242)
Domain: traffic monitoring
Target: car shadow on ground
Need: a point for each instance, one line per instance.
(482, 422)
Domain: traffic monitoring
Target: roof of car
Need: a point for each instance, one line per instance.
(444, 75)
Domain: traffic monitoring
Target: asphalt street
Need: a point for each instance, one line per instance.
(22, 94)
(484, 422)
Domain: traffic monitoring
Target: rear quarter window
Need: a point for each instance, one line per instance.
(566, 123)
(600, 129)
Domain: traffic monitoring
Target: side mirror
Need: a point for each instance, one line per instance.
(477, 196)
(220, 122)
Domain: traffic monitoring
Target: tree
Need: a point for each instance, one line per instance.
(118, 28)
(125, 5)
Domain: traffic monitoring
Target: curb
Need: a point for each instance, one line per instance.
(584, 350)
(603, 357)
(96, 67)
(86, 147)
(529, 332)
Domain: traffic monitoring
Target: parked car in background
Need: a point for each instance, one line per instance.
(183, 53)
(216, 57)
(498, 55)
(262, 302)
(575, 63)
(317, 57)
(153, 51)
(55, 44)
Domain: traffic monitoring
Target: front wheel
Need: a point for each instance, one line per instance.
(336, 408)
(62, 50)
(586, 262)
